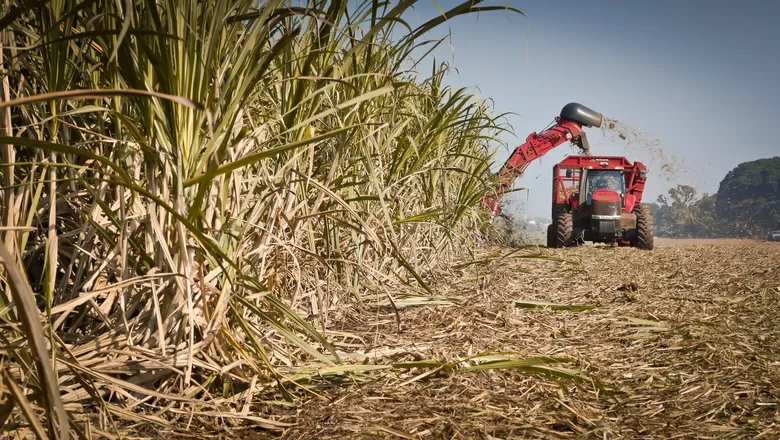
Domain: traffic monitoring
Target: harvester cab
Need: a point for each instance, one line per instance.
(597, 198)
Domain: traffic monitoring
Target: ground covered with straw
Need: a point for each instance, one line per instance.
(231, 216)
(190, 190)
(683, 341)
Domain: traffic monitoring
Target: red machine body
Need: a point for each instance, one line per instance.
(634, 176)
(605, 207)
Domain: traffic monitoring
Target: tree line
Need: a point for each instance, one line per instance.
(747, 204)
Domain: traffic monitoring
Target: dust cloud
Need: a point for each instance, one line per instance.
(646, 148)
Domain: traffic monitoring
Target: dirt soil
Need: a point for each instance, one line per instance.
(686, 338)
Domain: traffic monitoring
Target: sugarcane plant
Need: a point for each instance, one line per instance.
(189, 188)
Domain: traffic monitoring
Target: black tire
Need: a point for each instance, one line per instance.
(564, 230)
(550, 236)
(645, 229)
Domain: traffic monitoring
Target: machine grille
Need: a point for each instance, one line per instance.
(607, 227)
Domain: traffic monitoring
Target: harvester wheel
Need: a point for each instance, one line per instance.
(550, 236)
(564, 230)
(645, 229)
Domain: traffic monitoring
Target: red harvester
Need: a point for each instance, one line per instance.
(604, 205)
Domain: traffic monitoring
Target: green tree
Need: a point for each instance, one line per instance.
(683, 213)
(749, 197)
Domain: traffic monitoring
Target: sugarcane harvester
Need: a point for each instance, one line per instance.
(594, 198)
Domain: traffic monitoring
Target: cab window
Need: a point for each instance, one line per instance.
(603, 179)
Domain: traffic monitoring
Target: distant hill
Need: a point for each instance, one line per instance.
(747, 204)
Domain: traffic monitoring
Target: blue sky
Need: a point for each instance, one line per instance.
(700, 76)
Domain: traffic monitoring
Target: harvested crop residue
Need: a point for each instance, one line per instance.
(687, 336)
(644, 147)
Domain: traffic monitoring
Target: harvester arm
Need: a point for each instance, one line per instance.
(568, 127)
(535, 146)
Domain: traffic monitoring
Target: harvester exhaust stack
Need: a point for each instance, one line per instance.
(581, 115)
